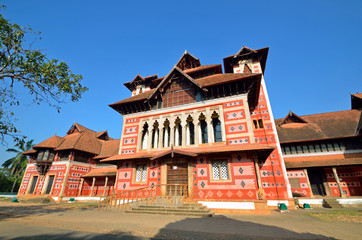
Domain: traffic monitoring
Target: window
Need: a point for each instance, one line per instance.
(155, 133)
(45, 155)
(294, 182)
(191, 133)
(203, 127)
(217, 130)
(220, 170)
(141, 173)
(258, 123)
(144, 139)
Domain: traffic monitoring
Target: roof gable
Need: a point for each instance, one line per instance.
(175, 71)
(244, 50)
(188, 61)
(292, 118)
(52, 142)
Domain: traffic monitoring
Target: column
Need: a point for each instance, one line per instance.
(184, 134)
(65, 180)
(45, 185)
(210, 130)
(308, 182)
(172, 133)
(94, 181)
(155, 140)
(261, 193)
(338, 182)
(160, 139)
(81, 186)
(197, 131)
(105, 187)
(222, 124)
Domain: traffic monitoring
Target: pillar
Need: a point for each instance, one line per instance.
(338, 182)
(160, 138)
(65, 180)
(172, 133)
(308, 182)
(105, 187)
(261, 193)
(45, 185)
(81, 186)
(210, 130)
(94, 181)
(184, 134)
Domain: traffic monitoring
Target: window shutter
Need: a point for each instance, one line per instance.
(144, 173)
(215, 171)
(224, 170)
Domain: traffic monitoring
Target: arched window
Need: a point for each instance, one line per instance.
(144, 138)
(178, 132)
(155, 133)
(166, 134)
(203, 129)
(190, 131)
(216, 124)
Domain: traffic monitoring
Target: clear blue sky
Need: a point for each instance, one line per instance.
(314, 60)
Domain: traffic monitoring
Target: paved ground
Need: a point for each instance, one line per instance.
(27, 221)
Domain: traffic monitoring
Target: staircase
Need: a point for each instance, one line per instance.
(188, 209)
(331, 203)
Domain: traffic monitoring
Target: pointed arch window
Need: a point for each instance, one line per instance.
(144, 138)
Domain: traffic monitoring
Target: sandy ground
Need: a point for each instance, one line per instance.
(67, 221)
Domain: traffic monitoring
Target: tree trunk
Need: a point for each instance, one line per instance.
(16, 179)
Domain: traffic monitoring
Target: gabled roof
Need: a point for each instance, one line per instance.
(52, 142)
(212, 80)
(356, 101)
(246, 53)
(188, 61)
(244, 50)
(139, 79)
(101, 172)
(320, 126)
(109, 148)
(169, 77)
(79, 128)
(292, 118)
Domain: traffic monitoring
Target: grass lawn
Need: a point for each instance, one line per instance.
(339, 215)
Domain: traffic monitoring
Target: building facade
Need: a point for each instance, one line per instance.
(323, 152)
(211, 131)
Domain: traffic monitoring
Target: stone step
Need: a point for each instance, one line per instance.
(191, 207)
(204, 214)
(169, 210)
(332, 203)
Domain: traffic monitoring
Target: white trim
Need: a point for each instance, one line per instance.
(185, 107)
(321, 153)
(346, 201)
(275, 203)
(81, 198)
(228, 205)
(314, 201)
(60, 162)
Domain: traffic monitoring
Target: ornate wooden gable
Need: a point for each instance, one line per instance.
(292, 118)
(188, 61)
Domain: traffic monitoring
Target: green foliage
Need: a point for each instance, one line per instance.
(47, 80)
(16, 165)
(6, 182)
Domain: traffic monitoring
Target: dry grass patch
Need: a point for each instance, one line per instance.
(354, 216)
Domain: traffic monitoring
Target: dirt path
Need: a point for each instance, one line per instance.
(26, 221)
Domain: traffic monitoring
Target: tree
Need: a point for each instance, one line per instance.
(17, 164)
(47, 80)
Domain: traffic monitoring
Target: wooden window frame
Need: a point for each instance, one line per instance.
(30, 184)
(135, 173)
(212, 180)
(51, 189)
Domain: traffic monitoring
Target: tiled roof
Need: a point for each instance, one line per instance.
(109, 148)
(359, 95)
(320, 126)
(262, 150)
(218, 79)
(208, 81)
(29, 152)
(102, 172)
(52, 142)
(202, 68)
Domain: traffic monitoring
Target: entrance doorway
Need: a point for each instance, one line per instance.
(50, 184)
(33, 184)
(177, 174)
(316, 181)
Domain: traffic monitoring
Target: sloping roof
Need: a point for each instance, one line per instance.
(109, 148)
(29, 152)
(204, 67)
(320, 126)
(262, 150)
(101, 172)
(292, 118)
(85, 141)
(186, 60)
(246, 53)
(208, 81)
(358, 95)
(52, 142)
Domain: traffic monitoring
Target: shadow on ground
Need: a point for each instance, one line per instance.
(218, 227)
(20, 211)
